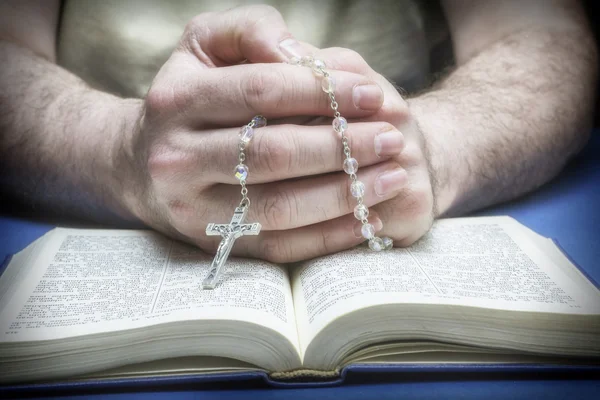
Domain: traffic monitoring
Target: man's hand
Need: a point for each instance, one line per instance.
(303, 217)
(168, 161)
(409, 214)
(515, 109)
(177, 168)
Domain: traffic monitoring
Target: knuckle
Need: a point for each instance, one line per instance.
(344, 197)
(277, 209)
(266, 9)
(263, 90)
(420, 229)
(209, 244)
(264, 12)
(254, 35)
(385, 127)
(165, 163)
(324, 240)
(198, 23)
(275, 152)
(394, 109)
(163, 98)
(417, 203)
(180, 213)
(158, 99)
(348, 59)
(407, 241)
(412, 154)
(352, 57)
(275, 249)
(396, 113)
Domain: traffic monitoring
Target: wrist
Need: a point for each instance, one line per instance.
(119, 167)
(103, 152)
(440, 152)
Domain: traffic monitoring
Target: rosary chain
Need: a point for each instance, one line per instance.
(245, 200)
(241, 170)
(340, 125)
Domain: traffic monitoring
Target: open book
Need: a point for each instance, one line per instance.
(79, 304)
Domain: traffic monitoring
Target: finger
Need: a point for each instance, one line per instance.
(251, 33)
(335, 58)
(394, 108)
(233, 95)
(342, 59)
(291, 151)
(300, 202)
(411, 213)
(305, 242)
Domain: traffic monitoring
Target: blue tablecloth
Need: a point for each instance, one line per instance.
(567, 209)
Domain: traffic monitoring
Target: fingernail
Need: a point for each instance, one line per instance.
(389, 143)
(291, 48)
(390, 181)
(373, 220)
(367, 97)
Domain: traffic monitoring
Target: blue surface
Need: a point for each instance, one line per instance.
(567, 209)
(493, 389)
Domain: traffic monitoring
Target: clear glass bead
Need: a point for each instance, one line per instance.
(307, 61)
(368, 231)
(376, 244)
(246, 134)
(318, 66)
(361, 212)
(328, 84)
(241, 172)
(350, 165)
(340, 124)
(294, 61)
(388, 243)
(357, 189)
(259, 121)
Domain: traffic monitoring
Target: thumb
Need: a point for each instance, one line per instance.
(257, 34)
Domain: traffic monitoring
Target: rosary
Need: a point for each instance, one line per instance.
(237, 228)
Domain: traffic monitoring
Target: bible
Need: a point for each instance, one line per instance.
(79, 304)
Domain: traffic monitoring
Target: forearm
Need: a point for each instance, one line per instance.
(59, 138)
(508, 120)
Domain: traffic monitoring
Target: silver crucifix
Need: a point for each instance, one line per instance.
(230, 232)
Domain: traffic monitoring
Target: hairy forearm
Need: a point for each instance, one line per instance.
(509, 119)
(58, 138)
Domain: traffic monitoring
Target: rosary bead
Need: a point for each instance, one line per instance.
(259, 121)
(388, 243)
(318, 67)
(361, 212)
(246, 134)
(241, 172)
(307, 61)
(294, 61)
(357, 189)
(340, 124)
(350, 165)
(328, 84)
(368, 231)
(376, 244)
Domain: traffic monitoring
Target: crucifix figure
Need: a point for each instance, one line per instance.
(230, 232)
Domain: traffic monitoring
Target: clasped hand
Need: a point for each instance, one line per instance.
(228, 67)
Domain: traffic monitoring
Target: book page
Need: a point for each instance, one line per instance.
(486, 262)
(93, 281)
